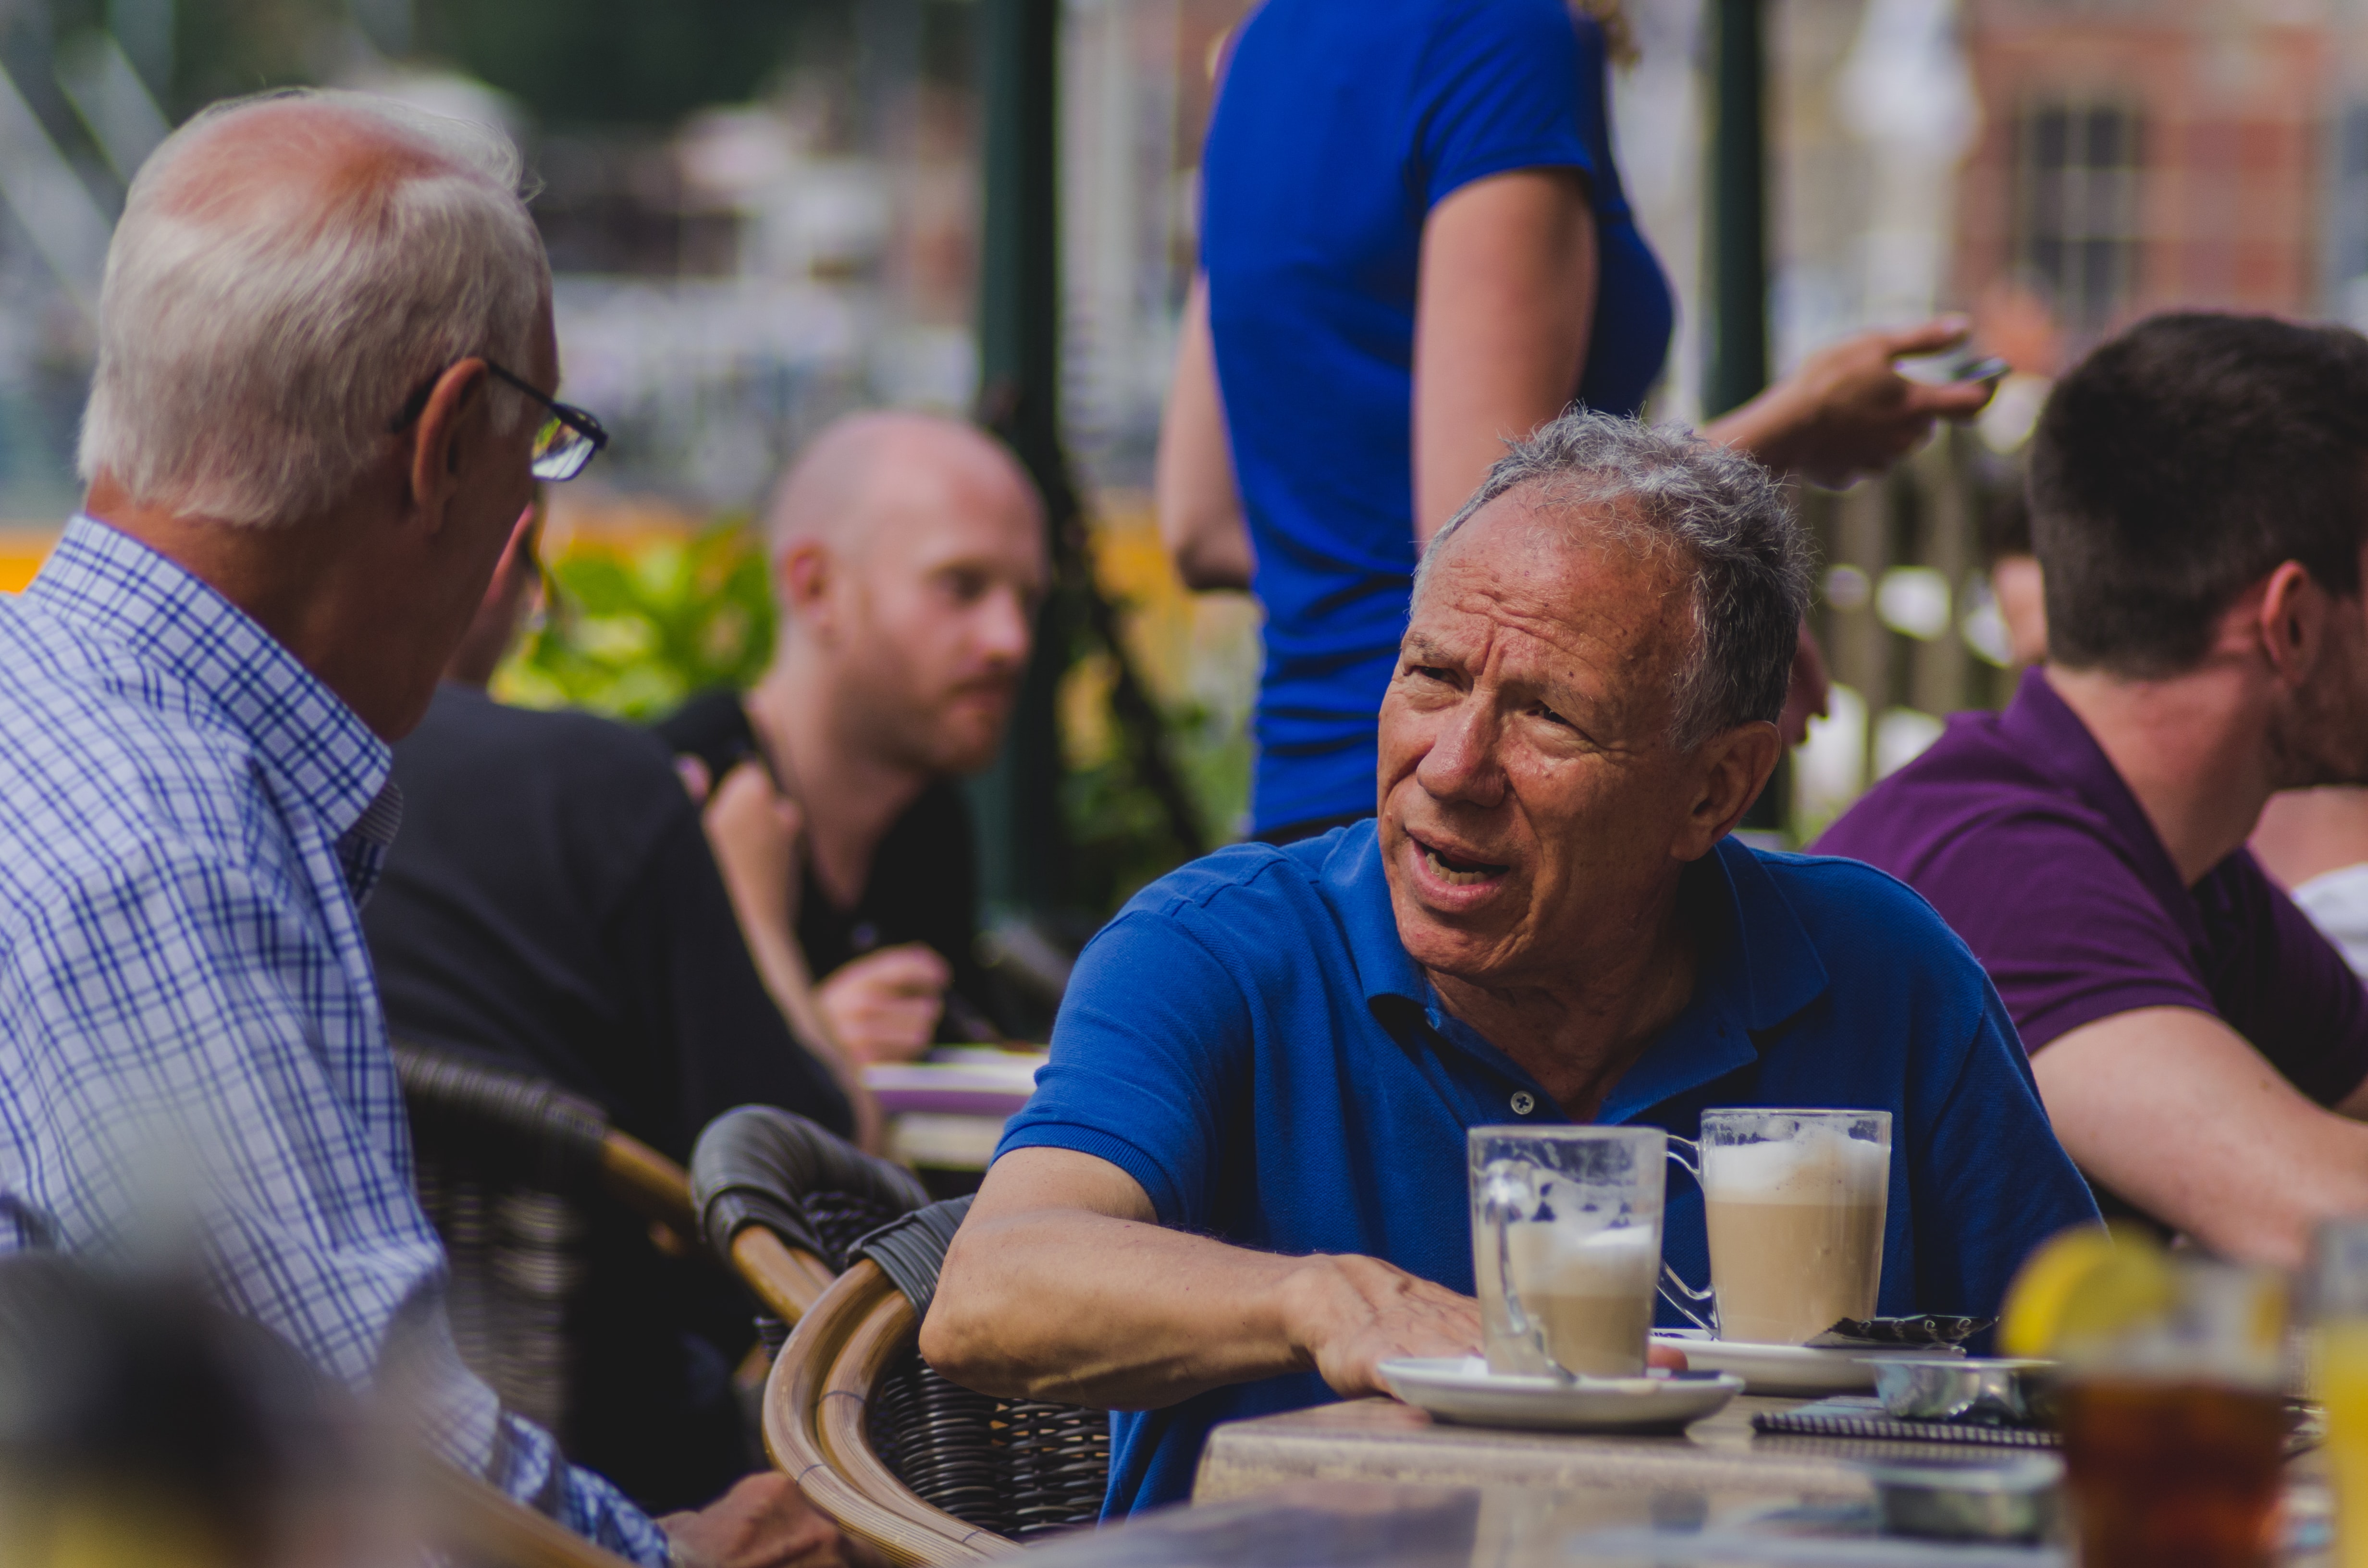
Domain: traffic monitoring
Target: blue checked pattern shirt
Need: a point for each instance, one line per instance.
(190, 1031)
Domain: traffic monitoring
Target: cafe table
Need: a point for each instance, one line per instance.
(1378, 1484)
(945, 1114)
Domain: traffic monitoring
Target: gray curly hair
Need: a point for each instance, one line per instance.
(1666, 488)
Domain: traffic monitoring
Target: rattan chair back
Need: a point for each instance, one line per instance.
(510, 1170)
(926, 1470)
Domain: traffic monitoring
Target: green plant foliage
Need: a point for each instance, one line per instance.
(631, 631)
(1118, 837)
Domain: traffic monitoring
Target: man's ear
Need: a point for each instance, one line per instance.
(806, 577)
(2292, 621)
(1733, 767)
(441, 436)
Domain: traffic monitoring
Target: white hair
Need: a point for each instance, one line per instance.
(1723, 518)
(255, 353)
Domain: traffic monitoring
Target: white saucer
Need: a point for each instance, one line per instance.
(1460, 1388)
(1792, 1368)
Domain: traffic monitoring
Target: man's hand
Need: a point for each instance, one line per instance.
(763, 1522)
(1348, 1314)
(1848, 410)
(884, 1006)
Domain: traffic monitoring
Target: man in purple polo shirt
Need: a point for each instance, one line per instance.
(2199, 491)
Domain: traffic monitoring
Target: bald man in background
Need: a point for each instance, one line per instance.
(908, 559)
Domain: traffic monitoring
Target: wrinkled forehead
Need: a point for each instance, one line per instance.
(1561, 574)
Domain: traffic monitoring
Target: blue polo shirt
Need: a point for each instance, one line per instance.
(1250, 1040)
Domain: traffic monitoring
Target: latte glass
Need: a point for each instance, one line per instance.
(1794, 1203)
(1566, 1246)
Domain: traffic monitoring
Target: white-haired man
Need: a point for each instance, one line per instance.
(320, 405)
(1240, 1184)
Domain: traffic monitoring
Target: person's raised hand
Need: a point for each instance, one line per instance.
(754, 830)
(884, 1006)
(763, 1522)
(1848, 410)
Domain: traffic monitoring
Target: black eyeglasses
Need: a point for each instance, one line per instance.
(564, 444)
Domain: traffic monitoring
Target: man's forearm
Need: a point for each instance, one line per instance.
(1066, 1303)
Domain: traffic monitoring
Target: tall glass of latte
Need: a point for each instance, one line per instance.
(1795, 1202)
(1566, 1246)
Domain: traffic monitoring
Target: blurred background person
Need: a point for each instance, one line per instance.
(2015, 578)
(1415, 248)
(908, 559)
(2195, 501)
(551, 906)
(2314, 843)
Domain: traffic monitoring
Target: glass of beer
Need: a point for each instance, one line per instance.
(2174, 1437)
(1566, 1246)
(2339, 1311)
(1794, 1203)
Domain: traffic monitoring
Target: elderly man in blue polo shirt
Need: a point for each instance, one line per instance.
(1241, 1183)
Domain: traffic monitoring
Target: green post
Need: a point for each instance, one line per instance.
(1734, 234)
(1018, 801)
(1735, 254)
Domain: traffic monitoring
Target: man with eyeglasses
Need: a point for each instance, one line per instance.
(319, 409)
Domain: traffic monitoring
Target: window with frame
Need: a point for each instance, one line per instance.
(2076, 206)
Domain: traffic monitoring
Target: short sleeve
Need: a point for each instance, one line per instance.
(1151, 1029)
(1506, 85)
(2066, 928)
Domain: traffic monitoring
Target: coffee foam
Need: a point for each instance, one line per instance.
(1606, 1262)
(1820, 1166)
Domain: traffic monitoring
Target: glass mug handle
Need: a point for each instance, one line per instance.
(1503, 1197)
(1686, 1156)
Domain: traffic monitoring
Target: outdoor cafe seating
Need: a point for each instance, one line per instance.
(843, 1250)
(899, 1458)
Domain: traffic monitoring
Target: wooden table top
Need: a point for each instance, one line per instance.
(1379, 1484)
(1382, 1441)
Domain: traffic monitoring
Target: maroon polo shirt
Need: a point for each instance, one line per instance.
(2019, 831)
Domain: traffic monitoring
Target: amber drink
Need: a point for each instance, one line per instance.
(2173, 1474)
(2174, 1423)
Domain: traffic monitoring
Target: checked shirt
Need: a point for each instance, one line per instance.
(190, 1036)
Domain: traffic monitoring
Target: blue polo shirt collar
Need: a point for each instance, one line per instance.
(1759, 970)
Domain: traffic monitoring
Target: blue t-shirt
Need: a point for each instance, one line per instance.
(1250, 1042)
(1338, 126)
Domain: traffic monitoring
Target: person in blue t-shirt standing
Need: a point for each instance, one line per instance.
(1415, 247)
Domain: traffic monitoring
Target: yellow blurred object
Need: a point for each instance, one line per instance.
(2342, 1368)
(22, 551)
(2084, 1287)
(88, 1528)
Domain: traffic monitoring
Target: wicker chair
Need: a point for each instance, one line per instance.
(925, 1471)
(509, 1168)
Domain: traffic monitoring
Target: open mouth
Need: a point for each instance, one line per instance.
(1454, 870)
